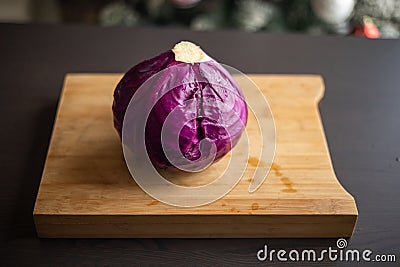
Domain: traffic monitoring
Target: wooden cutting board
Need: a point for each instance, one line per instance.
(87, 191)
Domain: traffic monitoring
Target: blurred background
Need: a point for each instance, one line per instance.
(366, 18)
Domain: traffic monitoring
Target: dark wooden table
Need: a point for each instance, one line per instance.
(360, 112)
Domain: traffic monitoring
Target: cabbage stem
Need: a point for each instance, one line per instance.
(189, 53)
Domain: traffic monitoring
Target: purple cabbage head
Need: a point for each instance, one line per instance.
(204, 83)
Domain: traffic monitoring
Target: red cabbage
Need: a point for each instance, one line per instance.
(208, 82)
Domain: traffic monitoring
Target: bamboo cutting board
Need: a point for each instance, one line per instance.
(87, 191)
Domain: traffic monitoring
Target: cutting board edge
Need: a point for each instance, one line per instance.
(234, 226)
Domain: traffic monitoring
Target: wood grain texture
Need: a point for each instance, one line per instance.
(87, 191)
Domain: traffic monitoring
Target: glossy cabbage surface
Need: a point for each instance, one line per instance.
(207, 81)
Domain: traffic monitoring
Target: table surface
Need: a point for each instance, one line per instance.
(360, 113)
